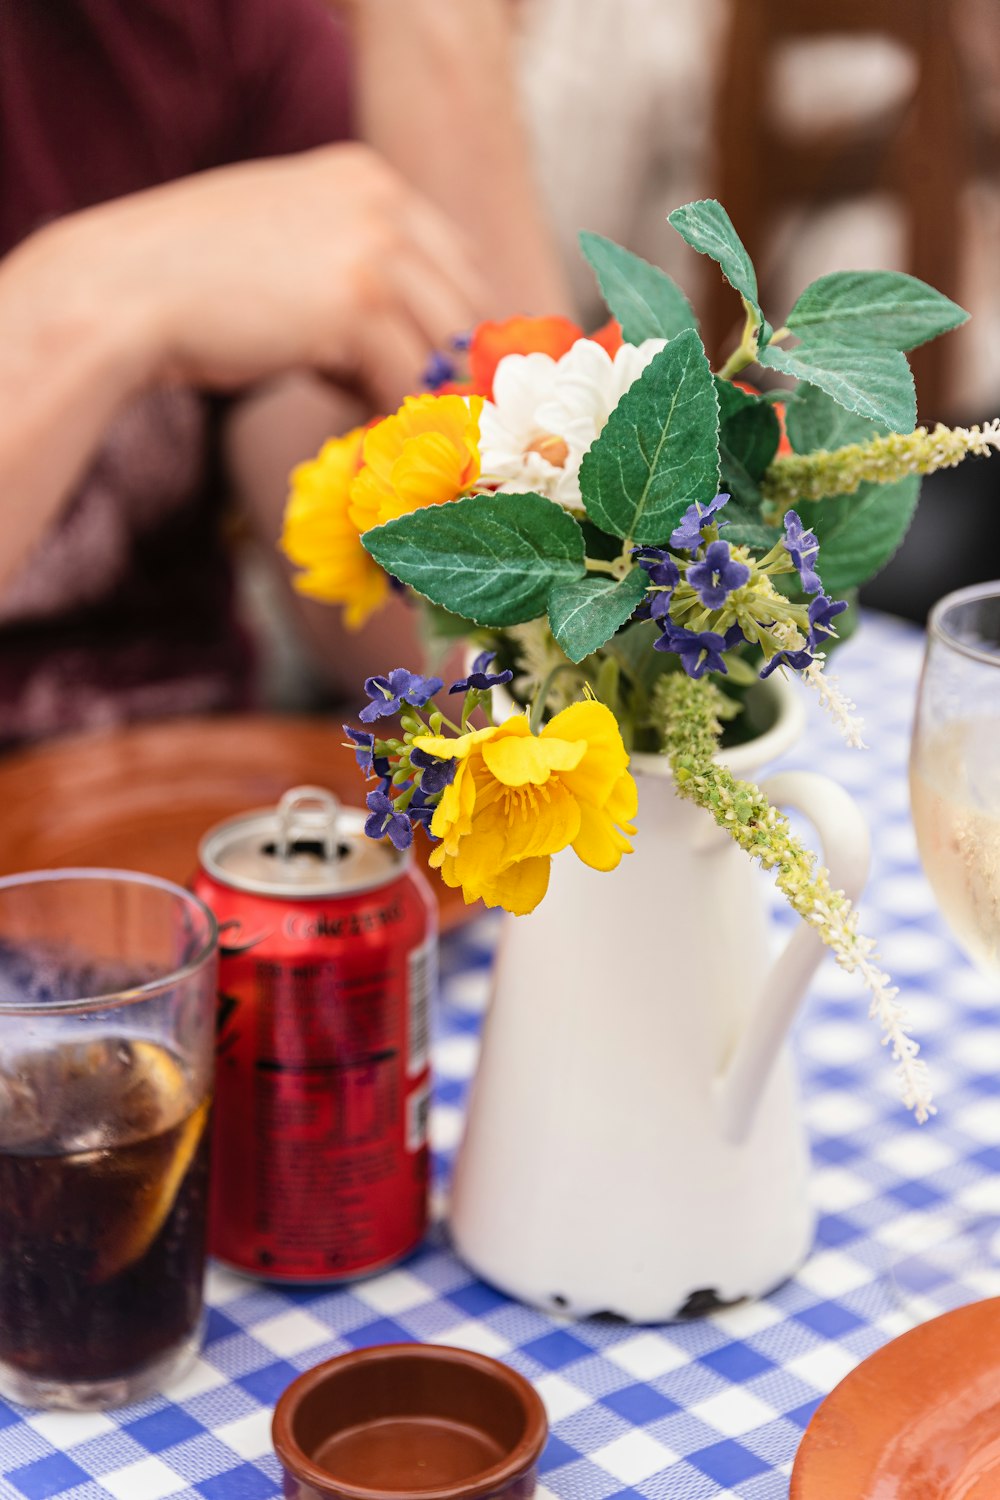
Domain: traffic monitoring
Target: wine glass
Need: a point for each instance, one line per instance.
(954, 1256)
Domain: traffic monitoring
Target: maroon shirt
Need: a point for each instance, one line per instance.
(125, 609)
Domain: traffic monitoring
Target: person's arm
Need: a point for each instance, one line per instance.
(325, 261)
(436, 96)
(66, 366)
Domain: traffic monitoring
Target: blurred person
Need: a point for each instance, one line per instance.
(204, 276)
(618, 102)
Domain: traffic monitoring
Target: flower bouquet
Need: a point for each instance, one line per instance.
(633, 541)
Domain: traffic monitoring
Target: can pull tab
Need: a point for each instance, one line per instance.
(308, 814)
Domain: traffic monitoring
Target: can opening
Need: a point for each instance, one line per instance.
(308, 846)
(318, 848)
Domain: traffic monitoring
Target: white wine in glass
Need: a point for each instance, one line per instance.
(954, 1256)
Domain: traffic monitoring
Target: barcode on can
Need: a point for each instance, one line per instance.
(417, 1111)
(422, 972)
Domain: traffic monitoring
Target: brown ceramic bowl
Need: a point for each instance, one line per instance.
(917, 1420)
(410, 1420)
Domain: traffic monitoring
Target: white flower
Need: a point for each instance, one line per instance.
(545, 414)
(513, 444)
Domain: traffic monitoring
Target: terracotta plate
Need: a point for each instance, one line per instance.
(918, 1420)
(140, 798)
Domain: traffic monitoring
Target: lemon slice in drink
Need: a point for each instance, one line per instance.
(158, 1095)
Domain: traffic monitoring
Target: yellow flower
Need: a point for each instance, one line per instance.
(517, 799)
(320, 536)
(424, 455)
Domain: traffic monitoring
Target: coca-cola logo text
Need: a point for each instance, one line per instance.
(300, 925)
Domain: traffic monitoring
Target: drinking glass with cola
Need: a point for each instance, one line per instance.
(107, 1008)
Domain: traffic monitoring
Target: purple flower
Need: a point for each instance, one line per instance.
(435, 772)
(803, 548)
(460, 342)
(422, 810)
(364, 743)
(664, 576)
(364, 753)
(717, 575)
(401, 686)
(479, 678)
(797, 660)
(821, 612)
(384, 819)
(660, 566)
(438, 369)
(699, 651)
(688, 533)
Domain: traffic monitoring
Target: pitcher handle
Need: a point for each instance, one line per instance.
(845, 850)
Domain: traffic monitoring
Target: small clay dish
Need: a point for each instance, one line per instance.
(918, 1419)
(410, 1419)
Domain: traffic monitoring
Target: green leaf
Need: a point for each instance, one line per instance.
(586, 614)
(749, 429)
(859, 533)
(873, 383)
(748, 440)
(735, 481)
(814, 420)
(741, 673)
(873, 310)
(707, 227)
(491, 558)
(644, 299)
(746, 530)
(633, 647)
(733, 399)
(658, 451)
(608, 684)
(599, 544)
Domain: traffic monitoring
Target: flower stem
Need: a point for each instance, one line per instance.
(616, 567)
(746, 350)
(437, 720)
(542, 696)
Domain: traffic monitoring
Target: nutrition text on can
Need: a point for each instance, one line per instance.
(328, 960)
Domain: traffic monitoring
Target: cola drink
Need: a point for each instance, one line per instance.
(103, 1204)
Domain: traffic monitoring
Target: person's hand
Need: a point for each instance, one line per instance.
(327, 260)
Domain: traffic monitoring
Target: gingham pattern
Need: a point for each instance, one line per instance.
(690, 1411)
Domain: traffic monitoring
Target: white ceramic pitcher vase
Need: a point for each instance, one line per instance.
(633, 1144)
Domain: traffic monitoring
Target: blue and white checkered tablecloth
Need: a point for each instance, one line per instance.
(686, 1411)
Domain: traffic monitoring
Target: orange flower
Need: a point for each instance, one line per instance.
(552, 336)
(426, 454)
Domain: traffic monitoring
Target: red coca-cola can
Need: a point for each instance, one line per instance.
(328, 959)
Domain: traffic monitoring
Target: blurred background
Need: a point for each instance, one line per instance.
(839, 134)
